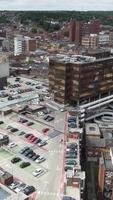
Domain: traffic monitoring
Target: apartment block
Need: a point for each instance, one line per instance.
(24, 44)
(90, 41)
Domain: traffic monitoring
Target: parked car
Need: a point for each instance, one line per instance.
(23, 150)
(12, 144)
(14, 185)
(40, 159)
(71, 155)
(20, 187)
(13, 130)
(1, 122)
(49, 119)
(29, 189)
(45, 130)
(35, 157)
(15, 160)
(46, 117)
(24, 164)
(30, 137)
(22, 133)
(33, 139)
(38, 140)
(30, 123)
(22, 120)
(42, 143)
(71, 162)
(40, 113)
(68, 168)
(27, 135)
(38, 172)
(30, 155)
(26, 153)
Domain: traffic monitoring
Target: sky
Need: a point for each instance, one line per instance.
(56, 5)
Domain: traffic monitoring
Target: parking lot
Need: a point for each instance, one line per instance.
(41, 132)
(52, 152)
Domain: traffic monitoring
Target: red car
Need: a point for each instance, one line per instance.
(33, 139)
(30, 137)
(45, 130)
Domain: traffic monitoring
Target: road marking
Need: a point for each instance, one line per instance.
(41, 193)
(57, 168)
(55, 151)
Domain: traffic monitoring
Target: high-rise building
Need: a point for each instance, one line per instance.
(75, 32)
(79, 29)
(80, 78)
(4, 70)
(24, 44)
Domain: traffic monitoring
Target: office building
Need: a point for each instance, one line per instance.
(80, 78)
(4, 70)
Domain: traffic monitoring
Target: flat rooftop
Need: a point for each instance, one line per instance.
(77, 59)
(72, 58)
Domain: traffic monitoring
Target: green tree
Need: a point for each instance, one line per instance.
(34, 30)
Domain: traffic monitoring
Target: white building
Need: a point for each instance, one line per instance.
(19, 44)
(104, 38)
(23, 44)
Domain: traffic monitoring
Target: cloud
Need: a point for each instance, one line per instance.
(56, 5)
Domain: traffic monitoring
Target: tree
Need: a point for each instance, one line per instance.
(66, 34)
(34, 30)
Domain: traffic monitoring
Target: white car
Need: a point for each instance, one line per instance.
(14, 185)
(38, 172)
(12, 144)
(20, 187)
(40, 113)
(40, 159)
(42, 143)
(47, 97)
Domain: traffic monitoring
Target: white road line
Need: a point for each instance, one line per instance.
(48, 194)
(55, 151)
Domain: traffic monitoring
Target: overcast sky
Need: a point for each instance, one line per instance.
(56, 4)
